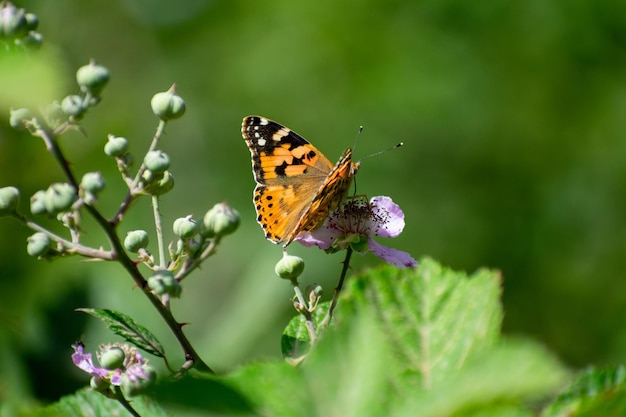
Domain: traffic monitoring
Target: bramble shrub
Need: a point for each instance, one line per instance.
(404, 339)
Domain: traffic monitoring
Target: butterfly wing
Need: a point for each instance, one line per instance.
(331, 193)
(289, 173)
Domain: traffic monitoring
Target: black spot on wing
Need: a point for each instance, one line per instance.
(260, 131)
(281, 170)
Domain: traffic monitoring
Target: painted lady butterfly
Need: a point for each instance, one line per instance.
(297, 186)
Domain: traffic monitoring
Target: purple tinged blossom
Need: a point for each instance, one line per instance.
(355, 223)
(134, 366)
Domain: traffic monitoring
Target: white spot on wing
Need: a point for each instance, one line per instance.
(263, 122)
(261, 142)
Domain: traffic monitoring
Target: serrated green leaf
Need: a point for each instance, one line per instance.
(129, 329)
(296, 340)
(87, 402)
(508, 374)
(596, 392)
(435, 318)
(393, 325)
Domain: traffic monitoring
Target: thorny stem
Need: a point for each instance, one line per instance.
(119, 396)
(118, 253)
(333, 303)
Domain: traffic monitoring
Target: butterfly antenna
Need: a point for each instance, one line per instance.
(356, 140)
(383, 151)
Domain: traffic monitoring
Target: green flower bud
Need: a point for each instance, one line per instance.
(13, 22)
(158, 186)
(116, 146)
(19, 117)
(289, 267)
(32, 21)
(37, 202)
(112, 358)
(73, 106)
(167, 105)
(92, 78)
(163, 282)
(157, 161)
(194, 245)
(92, 182)
(99, 384)
(32, 40)
(135, 240)
(185, 227)
(176, 249)
(220, 220)
(135, 382)
(9, 199)
(38, 244)
(314, 290)
(59, 197)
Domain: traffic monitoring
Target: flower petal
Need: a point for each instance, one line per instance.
(84, 362)
(116, 378)
(392, 256)
(323, 237)
(392, 215)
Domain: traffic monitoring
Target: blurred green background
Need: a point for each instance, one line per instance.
(512, 114)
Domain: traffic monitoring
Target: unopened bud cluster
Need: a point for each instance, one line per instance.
(58, 198)
(18, 28)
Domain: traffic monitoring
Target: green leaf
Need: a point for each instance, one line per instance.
(345, 375)
(406, 343)
(509, 373)
(435, 318)
(124, 326)
(296, 340)
(201, 392)
(88, 402)
(596, 392)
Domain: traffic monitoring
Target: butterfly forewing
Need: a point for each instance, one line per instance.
(280, 154)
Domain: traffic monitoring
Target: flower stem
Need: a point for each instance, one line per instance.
(119, 396)
(159, 230)
(338, 288)
(132, 189)
(306, 312)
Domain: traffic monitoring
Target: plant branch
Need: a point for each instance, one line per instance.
(338, 288)
(72, 247)
(191, 264)
(119, 397)
(118, 253)
(159, 230)
(132, 189)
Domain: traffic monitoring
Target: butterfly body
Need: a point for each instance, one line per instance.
(297, 186)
